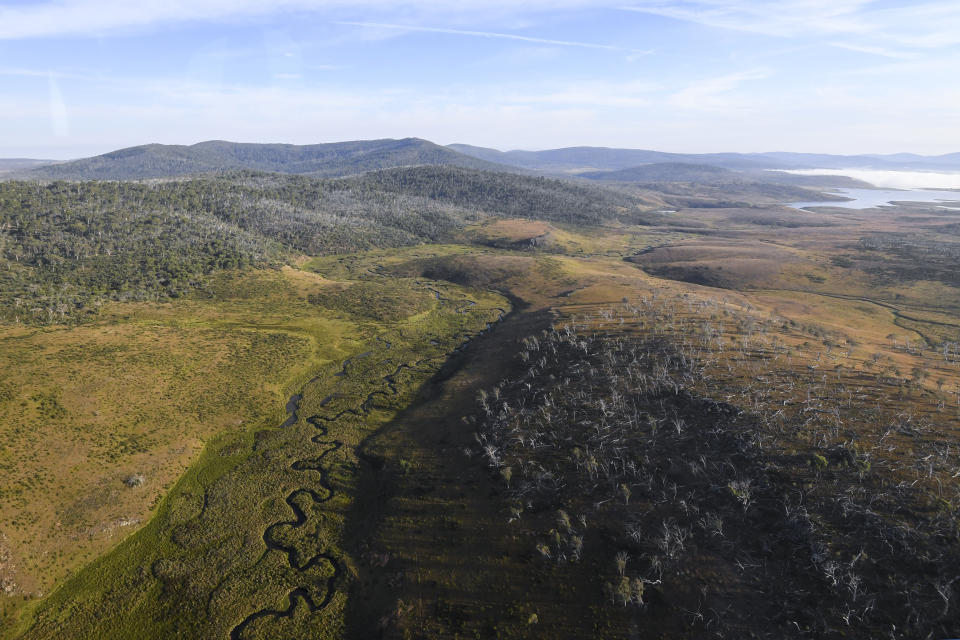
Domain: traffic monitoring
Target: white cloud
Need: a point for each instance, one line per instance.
(59, 121)
(588, 94)
(113, 112)
(783, 18)
(488, 34)
(856, 24)
(714, 93)
(876, 51)
(39, 73)
(98, 17)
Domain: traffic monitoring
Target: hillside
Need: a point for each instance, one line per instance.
(348, 158)
(66, 248)
(323, 160)
(775, 185)
(667, 172)
(892, 162)
(578, 159)
(506, 194)
(8, 165)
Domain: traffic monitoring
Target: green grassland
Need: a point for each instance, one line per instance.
(100, 420)
(226, 542)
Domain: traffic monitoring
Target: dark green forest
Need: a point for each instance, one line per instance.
(65, 248)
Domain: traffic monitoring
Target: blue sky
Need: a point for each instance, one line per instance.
(82, 77)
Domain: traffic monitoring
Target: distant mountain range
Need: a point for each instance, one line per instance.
(705, 174)
(349, 158)
(577, 159)
(582, 159)
(322, 160)
(19, 164)
(666, 172)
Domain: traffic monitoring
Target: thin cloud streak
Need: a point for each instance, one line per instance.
(783, 19)
(713, 93)
(94, 18)
(37, 73)
(876, 51)
(926, 26)
(490, 34)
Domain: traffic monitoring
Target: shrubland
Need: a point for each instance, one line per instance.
(677, 445)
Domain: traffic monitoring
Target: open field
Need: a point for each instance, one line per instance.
(100, 420)
(520, 234)
(235, 499)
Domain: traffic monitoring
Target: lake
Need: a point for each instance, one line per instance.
(870, 198)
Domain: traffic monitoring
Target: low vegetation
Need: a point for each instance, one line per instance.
(674, 445)
(250, 538)
(100, 420)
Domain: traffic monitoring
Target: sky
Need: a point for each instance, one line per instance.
(83, 77)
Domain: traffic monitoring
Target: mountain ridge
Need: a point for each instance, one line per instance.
(339, 159)
(327, 160)
(584, 158)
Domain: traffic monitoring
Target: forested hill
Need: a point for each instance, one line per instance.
(668, 172)
(65, 247)
(505, 194)
(9, 165)
(349, 158)
(605, 158)
(323, 160)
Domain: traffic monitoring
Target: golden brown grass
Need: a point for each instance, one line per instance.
(88, 410)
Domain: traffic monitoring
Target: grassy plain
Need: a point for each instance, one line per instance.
(257, 519)
(100, 420)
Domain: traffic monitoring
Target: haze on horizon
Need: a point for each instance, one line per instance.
(83, 77)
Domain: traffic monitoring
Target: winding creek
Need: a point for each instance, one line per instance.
(305, 501)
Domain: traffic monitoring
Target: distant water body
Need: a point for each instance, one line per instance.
(870, 198)
(892, 186)
(886, 179)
